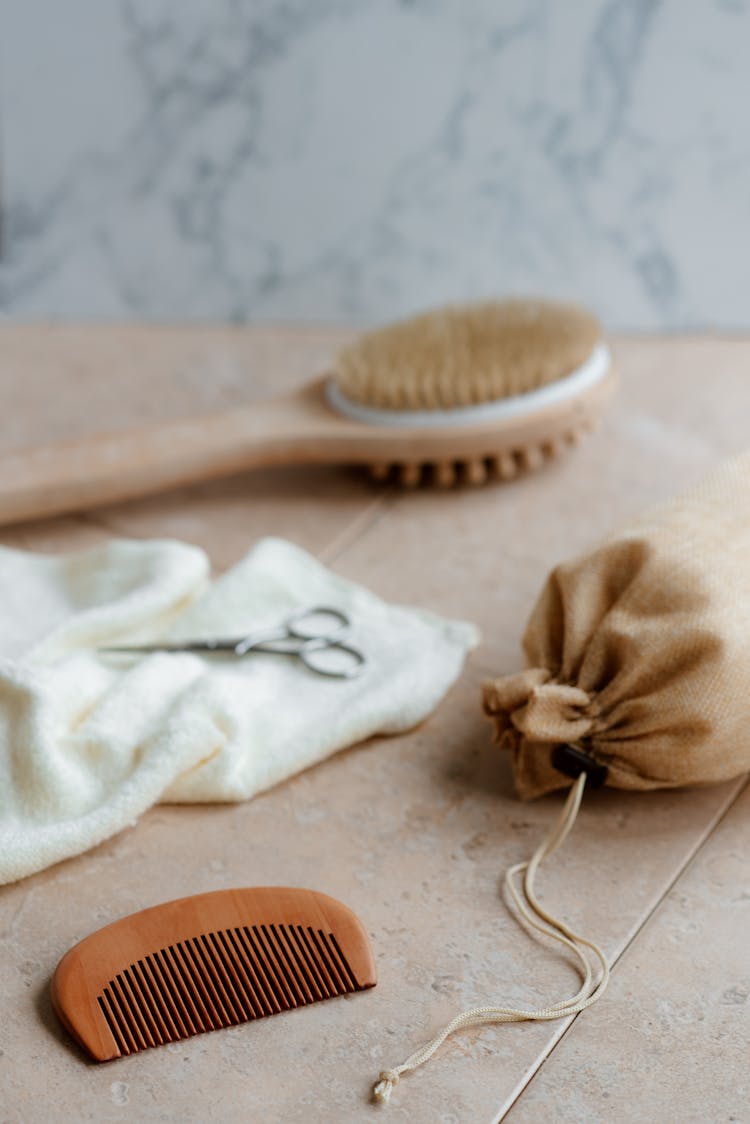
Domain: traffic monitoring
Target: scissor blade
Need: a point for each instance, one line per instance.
(195, 646)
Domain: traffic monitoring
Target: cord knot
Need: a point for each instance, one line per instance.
(385, 1085)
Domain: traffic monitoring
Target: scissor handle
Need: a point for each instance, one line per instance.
(331, 658)
(319, 622)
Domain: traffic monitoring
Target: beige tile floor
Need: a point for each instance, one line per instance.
(413, 832)
(671, 1042)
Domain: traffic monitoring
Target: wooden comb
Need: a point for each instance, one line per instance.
(208, 961)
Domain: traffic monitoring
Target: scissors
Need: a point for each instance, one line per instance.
(315, 636)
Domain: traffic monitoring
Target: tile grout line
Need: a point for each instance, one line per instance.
(630, 940)
(359, 525)
(368, 516)
(371, 512)
(20, 530)
(97, 517)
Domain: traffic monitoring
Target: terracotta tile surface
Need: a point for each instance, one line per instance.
(413, 832)
(670, 1040)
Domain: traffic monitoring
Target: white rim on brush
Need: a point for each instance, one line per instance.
(587, 375)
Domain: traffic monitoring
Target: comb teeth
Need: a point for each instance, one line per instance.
(220, 979)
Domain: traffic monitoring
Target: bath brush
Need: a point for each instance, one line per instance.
(205, 962)
(460, 395)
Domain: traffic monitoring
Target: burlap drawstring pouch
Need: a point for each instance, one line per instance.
(638, 677)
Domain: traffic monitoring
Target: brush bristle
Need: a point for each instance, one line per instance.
(456, 357)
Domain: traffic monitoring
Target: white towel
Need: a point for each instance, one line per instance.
(87, 743)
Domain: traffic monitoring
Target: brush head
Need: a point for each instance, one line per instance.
(459, 357)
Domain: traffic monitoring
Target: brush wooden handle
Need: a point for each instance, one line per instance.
(91, 471)
(298, 428)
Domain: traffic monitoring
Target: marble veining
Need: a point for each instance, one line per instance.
(353, 160)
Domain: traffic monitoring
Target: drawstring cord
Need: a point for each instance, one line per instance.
(519, 881)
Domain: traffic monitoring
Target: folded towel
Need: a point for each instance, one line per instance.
(87, 743)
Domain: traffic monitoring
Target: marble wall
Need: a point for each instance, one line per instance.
(358, 159)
